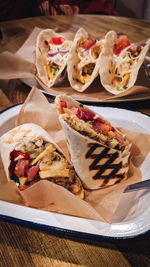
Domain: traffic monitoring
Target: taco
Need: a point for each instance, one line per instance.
(30, 155)
(99, 152)
(51, 56)
(120, 62)
(83, 60)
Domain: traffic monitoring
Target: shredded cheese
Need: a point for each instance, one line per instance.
(48, 150)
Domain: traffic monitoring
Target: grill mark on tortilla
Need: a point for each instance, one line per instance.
(108, 165)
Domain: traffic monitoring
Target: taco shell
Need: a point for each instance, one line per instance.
(51, 57)
(119, 73)
(83, 63)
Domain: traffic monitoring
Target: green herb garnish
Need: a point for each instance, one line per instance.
(17, 181)
(81, 105)
(90, 122)
(119, 87)
(54, 71)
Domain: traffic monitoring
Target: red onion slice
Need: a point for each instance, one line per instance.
(139, 44)
(58, 52)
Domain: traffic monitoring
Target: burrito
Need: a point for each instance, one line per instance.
(120, 62)
(30, 155)
(83, 60)
(51, 56)
(99, 152)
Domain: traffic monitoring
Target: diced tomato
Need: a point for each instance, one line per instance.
(87, 43)
(83, 114)
(111, 128)
(15, 153)
(56, 40)
(104, 128)
(96, 123)
(122, 42)
(31, 172)
(63, 105)
(23, 187)
(21, 167)
(100, 126)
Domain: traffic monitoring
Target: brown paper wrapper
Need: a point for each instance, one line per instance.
(98, 204)
(4, 101)
(22, 65)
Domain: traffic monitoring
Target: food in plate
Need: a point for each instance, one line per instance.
(52, 51)
(83, 60)
(121, 62)
(99, 151)
(30, 155)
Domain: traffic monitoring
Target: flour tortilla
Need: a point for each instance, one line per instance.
(90, 157)
(42, 53)
(13, 138)
(73, 58)
(107, 56)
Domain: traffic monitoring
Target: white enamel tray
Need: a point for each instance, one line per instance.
(123, 227)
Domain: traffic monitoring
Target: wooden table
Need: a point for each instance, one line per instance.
(22, 246)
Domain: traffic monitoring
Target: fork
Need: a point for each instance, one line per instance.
(138, 186)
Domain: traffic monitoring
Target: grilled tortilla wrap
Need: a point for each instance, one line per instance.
(83, 60)
(30, 155)
(99, 152)
(120, 66)
(51, 56)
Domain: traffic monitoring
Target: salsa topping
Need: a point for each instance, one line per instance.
(56, 40)
(122, 42)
